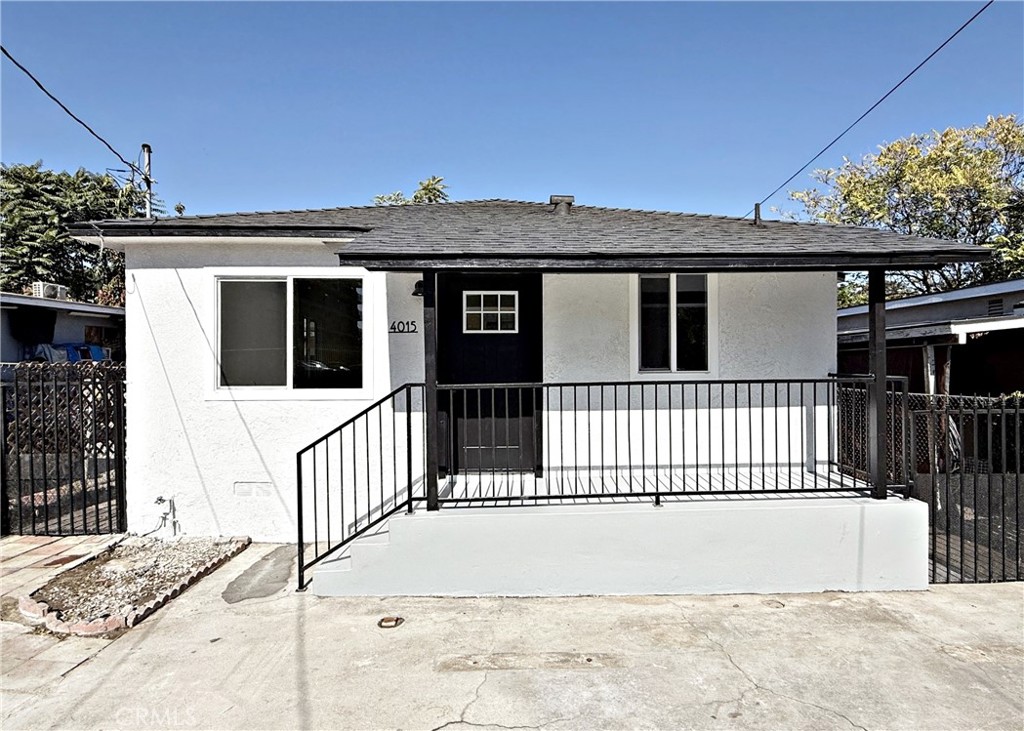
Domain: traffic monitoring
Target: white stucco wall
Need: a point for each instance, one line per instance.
(762, 326)
(777, 325)
(228, 459)
(405, 312)
(586, 327)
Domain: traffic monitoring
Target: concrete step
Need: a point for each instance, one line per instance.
(381, 537)
(365, 545)
(337, 563)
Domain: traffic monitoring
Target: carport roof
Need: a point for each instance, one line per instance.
(490, 234)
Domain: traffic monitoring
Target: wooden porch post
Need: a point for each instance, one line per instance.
(430, 382)
(877, 410)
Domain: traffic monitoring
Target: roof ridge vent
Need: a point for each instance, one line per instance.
(562, 204)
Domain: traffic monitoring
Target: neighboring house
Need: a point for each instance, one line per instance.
(967, 341)
(58, 329)
(557, 356)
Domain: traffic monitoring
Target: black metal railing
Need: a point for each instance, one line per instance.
(652, 440)
(352, 479)
(966, 457)
(528, 443)
(62, 448)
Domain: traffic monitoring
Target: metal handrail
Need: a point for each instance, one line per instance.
(363, 515)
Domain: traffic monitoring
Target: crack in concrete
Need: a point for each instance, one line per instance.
(461, 720)
(500, 725)
(476, 694)
(754, 683)
(462, 716)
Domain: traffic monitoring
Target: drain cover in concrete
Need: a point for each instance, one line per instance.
(264, 578)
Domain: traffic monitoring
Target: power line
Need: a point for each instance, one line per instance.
(887, 94)
(71, 114)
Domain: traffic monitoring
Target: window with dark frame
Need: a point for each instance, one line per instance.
(673, 322)
(327, 337)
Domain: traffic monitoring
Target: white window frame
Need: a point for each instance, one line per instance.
(287, 392)
(466, 311)
(634, 331)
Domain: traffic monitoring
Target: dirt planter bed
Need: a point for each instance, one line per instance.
(126, 583)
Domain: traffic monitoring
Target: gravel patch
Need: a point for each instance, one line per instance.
(130, 574)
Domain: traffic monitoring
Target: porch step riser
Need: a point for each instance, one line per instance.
(758, 546)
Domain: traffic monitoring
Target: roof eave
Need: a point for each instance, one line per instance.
(662, 262)
(86, 308)
(161, 228)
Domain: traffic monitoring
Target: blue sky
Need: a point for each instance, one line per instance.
(679, 106)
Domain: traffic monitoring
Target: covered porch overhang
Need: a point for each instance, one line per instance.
(431, 264)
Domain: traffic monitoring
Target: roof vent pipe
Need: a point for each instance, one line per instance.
(562, 204)
(757, 214)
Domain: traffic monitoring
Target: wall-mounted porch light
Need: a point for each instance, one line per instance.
(417, 290)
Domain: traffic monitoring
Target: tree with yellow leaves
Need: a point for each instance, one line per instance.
(962, 184)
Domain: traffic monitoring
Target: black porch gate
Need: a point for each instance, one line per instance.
(63, 436)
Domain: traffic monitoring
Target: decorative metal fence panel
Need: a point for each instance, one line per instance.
(967, 456)
(852, 435)
(63, 448)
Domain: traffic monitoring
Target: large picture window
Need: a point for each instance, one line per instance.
(326, 333)
(673, 322)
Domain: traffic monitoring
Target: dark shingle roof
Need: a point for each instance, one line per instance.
(467, 233)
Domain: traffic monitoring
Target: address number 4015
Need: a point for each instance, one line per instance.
(403, 326)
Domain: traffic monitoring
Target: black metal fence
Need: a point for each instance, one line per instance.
(967, 462)
(359, 474)
(63, 437)
(612, 441)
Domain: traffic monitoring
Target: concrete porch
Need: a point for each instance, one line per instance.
(697, 546)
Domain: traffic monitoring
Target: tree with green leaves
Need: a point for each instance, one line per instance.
(962, 184)
(36, 207)
(431, 190)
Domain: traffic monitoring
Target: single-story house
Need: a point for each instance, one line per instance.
(966, 341)
(503, 397)
(45, 328)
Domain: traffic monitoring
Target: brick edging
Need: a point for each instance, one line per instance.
(129, 616)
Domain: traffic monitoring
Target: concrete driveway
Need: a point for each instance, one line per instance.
(948, 658)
